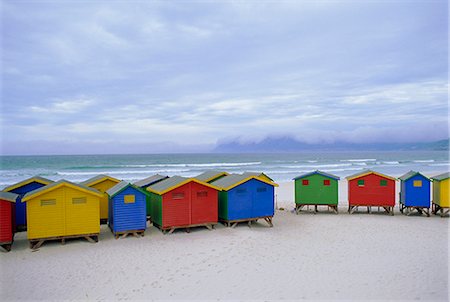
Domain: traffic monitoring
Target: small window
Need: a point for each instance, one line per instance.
(48, 202)
(417, 183)
(202, 194)
(361, 183)
(177, 195)
(241, 191)
(129, 198)
(305, 182)
(261, 189)
(326, 182)
(383, 182)
(78, 200)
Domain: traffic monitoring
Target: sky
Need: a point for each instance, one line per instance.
(182, 76)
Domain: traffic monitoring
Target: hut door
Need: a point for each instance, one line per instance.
(203, 204)
(177, 207)
(241, 198)
(263, 204)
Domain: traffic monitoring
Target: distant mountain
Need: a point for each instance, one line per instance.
(289, 144)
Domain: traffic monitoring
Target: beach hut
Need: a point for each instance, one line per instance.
(62, 210)
(102, 183)
(441, 194)
(211, 175)
(244, 198)
(318, 189)
(146, 182)
(179, 202)
(414, 193)
(127, 210)
(21, 188)
(7, 217)
(371, 189)
(258, 174)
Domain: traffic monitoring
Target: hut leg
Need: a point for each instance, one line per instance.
(427, 212)
(89, 239)
(269, 221)
(315, 208)
(249, 223)
(171, 230)
(368, 210)
(188, 230)
(37, 245)
(209, 227)
(135, 234)
(63, 241)
(233, 225)
(116, 236)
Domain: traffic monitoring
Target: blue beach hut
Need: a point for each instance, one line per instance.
(22, 188)
(415, 190)
(127, 210)
(245, 198)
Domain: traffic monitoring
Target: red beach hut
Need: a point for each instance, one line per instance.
(371, 189)
(7, 219)
(179, 202)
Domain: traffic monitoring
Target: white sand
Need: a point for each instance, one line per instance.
(306, 256)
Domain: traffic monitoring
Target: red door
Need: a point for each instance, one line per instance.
(176, 207)
(6, 223)
(204, 204)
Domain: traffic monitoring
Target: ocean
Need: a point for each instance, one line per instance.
(279, 166)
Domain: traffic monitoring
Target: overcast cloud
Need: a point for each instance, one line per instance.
(138, 76)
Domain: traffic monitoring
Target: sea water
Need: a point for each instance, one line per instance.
(279, 166)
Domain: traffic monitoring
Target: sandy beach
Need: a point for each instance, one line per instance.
(306, 256)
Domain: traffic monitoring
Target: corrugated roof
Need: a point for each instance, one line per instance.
(93, 180)
(122, 186)
(22, 183)
(150, 180)
(410, 174)
(57, 184)
(230, 181)
(320, 173)
(171, 183)
(441, 176)
(366, 172)
(258, 174)
(8, 196)
(209, 175)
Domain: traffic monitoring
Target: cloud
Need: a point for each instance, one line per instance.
(63, 107)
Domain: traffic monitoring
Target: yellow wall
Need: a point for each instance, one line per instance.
(63, 218)
(444, 196)
(103, 186)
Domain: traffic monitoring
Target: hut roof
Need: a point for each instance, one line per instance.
(150, 180)
(122, 186)
(367, 172)
(441, 176)
(259, 174)
(317, 172)
(37, 179)
(99, 178)
(59, 184)
(174, 182)
(210, 175)
(8, 196)
(233, 180)
(411, 174)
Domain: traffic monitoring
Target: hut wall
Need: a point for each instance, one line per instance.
(204, 203)
(155, 208)
(372, 193)
(316, 192)
(103, 186)
(441, 192)
(129, 216)
(416, 196)
(176, 207)
(6, 220)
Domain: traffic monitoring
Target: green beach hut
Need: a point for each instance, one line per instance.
(318, 189)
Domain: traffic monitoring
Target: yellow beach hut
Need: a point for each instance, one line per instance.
(441, 194)
(62, 210)
(102, 183)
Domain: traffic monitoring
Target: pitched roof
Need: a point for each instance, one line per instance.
(233, 180)
(171, 183)
(58, 184)
(259, 174)
(441, 176)
(122, 186)
(317, 172)
(99, 178)
(210, 175)
(22, 183)
(150, 180)
(410, 174)
(367, 172)
(8, 196)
